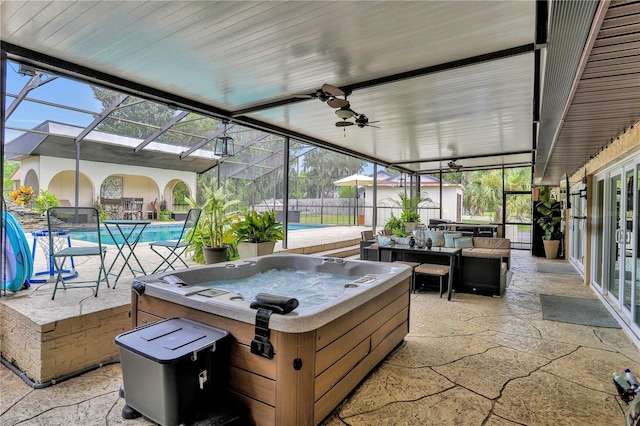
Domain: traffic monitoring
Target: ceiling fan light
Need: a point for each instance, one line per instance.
(344, 124)
(345, 113)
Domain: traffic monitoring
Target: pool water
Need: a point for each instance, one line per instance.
(311, 288)
(159, 233)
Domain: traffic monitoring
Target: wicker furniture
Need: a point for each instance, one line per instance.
(484, 267)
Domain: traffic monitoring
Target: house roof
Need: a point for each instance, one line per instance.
(58, 140)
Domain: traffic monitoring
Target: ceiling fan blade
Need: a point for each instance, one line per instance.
(332, 90)
(344, 124)
(337, 103)
(369, 125)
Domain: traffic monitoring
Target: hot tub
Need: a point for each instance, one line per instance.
(321, 352)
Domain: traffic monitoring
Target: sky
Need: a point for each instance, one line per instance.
(60, 91)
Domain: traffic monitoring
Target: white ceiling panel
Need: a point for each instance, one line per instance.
(471, 111)
(442, 79)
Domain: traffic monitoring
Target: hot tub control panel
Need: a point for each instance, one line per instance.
(212, 292)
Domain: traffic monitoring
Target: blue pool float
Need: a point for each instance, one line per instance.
(16, 255)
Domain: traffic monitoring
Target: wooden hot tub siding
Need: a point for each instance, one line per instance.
(335, 357)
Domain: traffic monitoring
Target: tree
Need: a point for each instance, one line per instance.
(326, 167)
(8, 170)
(483, 190)
(122, 121)
(347, 192)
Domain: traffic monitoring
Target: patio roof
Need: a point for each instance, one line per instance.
(490, 84)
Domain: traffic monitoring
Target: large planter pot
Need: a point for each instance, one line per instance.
(410, 226)
(551, 248)
(247, 250)
(214, 254)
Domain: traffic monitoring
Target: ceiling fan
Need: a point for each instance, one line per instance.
(334, 100)
(453, 167)
(332, 95)
(337, 98)
(363, 121)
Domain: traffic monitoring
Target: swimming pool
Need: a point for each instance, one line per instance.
(162, 232)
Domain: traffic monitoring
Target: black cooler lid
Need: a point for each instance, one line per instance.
(171, 339)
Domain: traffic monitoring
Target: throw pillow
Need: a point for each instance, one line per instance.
(464, 242)
(384, 241)
(405, 241)
(449, 237)
(437, 238)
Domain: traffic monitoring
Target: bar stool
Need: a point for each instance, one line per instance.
(433, 270)
(413, 266)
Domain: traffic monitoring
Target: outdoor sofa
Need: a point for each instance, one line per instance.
(484, 262)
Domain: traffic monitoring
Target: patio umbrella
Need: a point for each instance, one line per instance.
(354, 180)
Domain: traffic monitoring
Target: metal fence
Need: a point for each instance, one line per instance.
(344, 211)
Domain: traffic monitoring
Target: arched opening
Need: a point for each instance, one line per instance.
(116, 187)
(175, 197)
(179, 197)
(31, 179)
(63, 186)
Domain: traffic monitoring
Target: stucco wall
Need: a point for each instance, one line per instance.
(58, 176)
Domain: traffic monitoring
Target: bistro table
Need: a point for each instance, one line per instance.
(126, 235)
(414, 254)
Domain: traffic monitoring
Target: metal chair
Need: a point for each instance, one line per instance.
(73, 220)
(177, 247)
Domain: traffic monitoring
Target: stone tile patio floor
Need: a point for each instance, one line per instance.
(475, 360)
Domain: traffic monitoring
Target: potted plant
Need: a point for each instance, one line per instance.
(396, 225)
(549, 221)
(256, 234)
(409, 214)
(213, 234)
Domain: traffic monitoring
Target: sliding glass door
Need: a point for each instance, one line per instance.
(615, 268)
(615, 234)
(623, 241)
(577, 223)
(598, 221)
(628, 246)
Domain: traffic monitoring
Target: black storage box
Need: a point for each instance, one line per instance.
(173, 370)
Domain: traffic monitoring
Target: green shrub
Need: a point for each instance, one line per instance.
(165, 216)
(45, 200)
